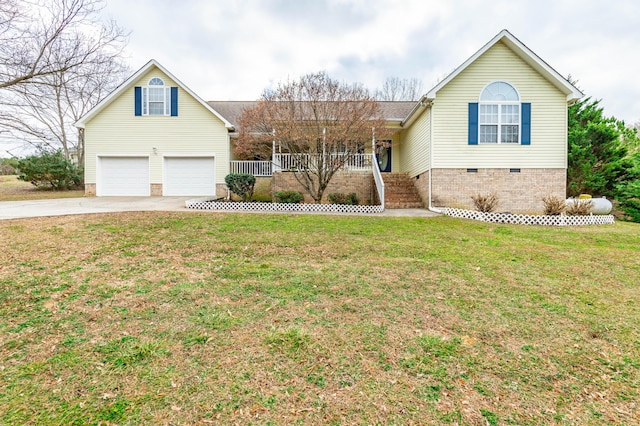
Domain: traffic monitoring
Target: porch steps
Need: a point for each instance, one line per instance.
(400, 192)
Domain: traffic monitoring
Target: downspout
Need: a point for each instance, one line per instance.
(228, 162)
(430, 205)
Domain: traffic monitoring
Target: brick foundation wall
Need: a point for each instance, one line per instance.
(517, 192)
(421, 182)
(359, 182)
(89, 189)
(156, 189)
(221, 190)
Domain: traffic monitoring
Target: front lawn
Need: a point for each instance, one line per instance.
(173, 318)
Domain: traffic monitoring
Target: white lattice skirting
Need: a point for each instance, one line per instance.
(525, 219)
(280, 207)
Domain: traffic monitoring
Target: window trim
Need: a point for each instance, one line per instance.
(500, 104)
(166, 98)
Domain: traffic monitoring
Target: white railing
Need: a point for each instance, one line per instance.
(288, 162)
(377, 177)
(256, 168)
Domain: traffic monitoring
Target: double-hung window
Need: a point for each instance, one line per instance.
(156, 98)
(499, 114)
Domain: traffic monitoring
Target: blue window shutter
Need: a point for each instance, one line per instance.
(174, 101)
(526, 123)
(473, 123)
(137, 100)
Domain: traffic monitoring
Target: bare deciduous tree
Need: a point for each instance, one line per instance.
(42, 38)
(43, 115)
(57, 60)
(320, 122)
(397, 89)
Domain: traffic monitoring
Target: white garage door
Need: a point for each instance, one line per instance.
(189, 176)
(123, 176)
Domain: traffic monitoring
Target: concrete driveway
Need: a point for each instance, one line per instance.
(66, 206)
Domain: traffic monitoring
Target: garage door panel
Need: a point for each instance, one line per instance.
(124, 176)
(189, 176)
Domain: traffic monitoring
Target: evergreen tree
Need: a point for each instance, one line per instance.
(603, 157)
(598, 150)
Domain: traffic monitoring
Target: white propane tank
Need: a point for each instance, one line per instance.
(599, 205)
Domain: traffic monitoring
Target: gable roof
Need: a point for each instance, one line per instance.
(523, 52)
(527, 55)
(128, 83)
(391, 110)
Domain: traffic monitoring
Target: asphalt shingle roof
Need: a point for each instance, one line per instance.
(231, 110)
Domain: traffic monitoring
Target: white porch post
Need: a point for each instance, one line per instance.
(373, 142)
(324, 147)
(275, 158)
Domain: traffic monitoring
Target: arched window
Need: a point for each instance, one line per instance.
(499, 114)
(156, 98)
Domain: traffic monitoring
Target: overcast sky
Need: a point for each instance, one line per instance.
(233, 49)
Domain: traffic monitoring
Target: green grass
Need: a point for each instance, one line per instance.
(159, 318)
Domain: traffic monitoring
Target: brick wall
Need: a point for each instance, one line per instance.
(89, 189)
(156, 189)
(221, 190)
(517, 192)
(359, 182)
(421, 183)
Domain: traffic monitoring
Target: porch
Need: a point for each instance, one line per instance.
(400, 191)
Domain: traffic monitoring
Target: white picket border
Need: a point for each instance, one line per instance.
(280, 207)
(525, 219)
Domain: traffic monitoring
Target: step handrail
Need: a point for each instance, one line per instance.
(377, 177)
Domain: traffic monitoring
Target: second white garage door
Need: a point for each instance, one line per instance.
(189, 176)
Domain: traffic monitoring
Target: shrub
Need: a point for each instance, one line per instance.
(342, 198)
(290, 197)
(485, 203)
(631, 209)
(553, 205)
(579, 207)
(241, 184)
(8, 166)
(629, 199)
(50, 170)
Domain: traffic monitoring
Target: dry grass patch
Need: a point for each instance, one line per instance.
(12, 189)
(273, 319)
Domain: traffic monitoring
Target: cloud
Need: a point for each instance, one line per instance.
(235, 49)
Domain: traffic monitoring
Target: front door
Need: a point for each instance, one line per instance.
(383, 155)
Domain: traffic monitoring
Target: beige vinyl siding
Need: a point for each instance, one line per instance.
(548, 147)
(195, 131)
(416, 146)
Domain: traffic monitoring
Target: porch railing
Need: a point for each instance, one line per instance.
(256, 168)
(287, 162)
